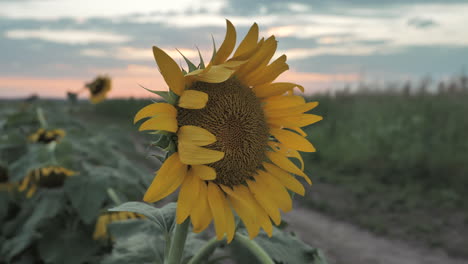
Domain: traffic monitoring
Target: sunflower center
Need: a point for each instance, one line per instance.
(97, 86)
(235, 116)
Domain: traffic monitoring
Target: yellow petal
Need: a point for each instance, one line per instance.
(170, 71)
(167, 180)
(195, 155)
(31, 191)
(155, 109)
(262, 196)
(192, 99)
(308, 119)
(228, 44)
(230, 223)
(260, 215)
(273, 89)
(293, 121)
(292, 140)
(216, 200)
(295, 110)
(284, 163)
(160, 122)
(204, 172)
(285, 178)
(238, 195)
(260, 58)
(187, 196)
(270, 73)
(24, 184)
(195, 136)
(299, 130)
(282, 102)
(100, 231)
(249, 219)
(288, 152)
(212, 74)
(276, 191)
(201, 214)
(249, 42)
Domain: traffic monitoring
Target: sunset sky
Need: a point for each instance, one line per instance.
(49, 47)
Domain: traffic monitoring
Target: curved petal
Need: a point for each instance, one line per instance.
(270, 73)
(195, 135)
(155, 109)
(204, 172)
(274, 89)
(168, 179)
(292, 140)
(228, 44)
(195, 155)
(192, 99)
(201, 214)
(288, 152)
(259, 59)
(249, 42)
(277, 192)
(160, 122)
(170, 71)
(212, 74)
(284, 163)
(285, 178)
(216, 200)
(262, 196)
(187, 196)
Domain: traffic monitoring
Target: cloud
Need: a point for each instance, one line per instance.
(68, 36)
(421, 22)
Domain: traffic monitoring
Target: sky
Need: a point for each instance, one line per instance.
(49, 47)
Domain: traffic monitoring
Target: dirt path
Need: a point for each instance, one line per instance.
(343, 243)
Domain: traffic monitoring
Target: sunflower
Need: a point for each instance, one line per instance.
(99, 88)
(46, 136)
(46, 177)
(100, 231)
(235, 130)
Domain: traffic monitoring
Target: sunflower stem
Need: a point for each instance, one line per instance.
(205, 251)
(254, 248)
(177, 243)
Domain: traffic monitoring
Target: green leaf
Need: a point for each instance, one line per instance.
(166, 95)
(214, 49)
(163, 217)
(202, 63)
(66, 246)
(135, 242)
(87, 195)
(17, 244)
(283, 247)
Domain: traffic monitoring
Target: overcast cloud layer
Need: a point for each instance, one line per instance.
(50, 46)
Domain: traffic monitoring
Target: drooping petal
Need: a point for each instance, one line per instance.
(262, 196)
(192, 99)
(155, 109)
(284, 163)
(230, 223)
(274, 89)
(201, 213)
(249, 42)
(187, 196)
(101, 227)
(260, 214)
(228, 44)
(204, 172)
(249, 219)
(216, 200)
(160, 122)
(276, 191)
(195, 155)
(285, 178)
(292, 140)
(170, 71)
(195, 135)
(168, 179)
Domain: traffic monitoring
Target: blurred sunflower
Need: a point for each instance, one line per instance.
(5, 184)
(235, 130)
(100, 231)
(46, 136)
(99, 88)
(47, 177)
